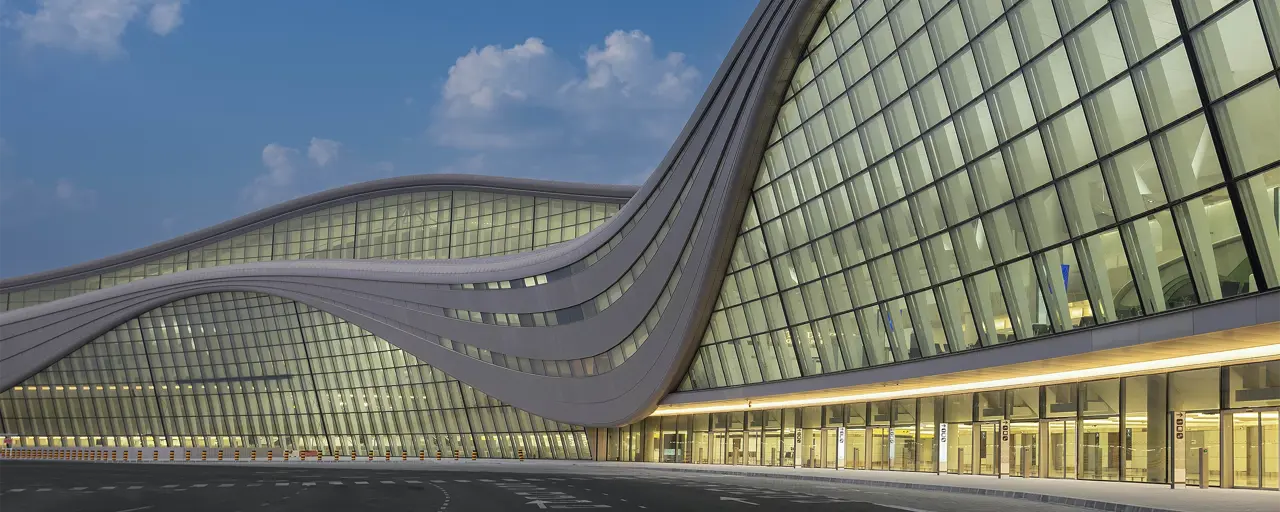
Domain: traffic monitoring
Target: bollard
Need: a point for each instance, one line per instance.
(335, 456)
(186, 455)
(155, 455)
(269, 456)
(520, 452)
(237, 456)
(286, 455)
(353, 455)
(437, 454)
(473, 455)
(139, 455)
(170, 455)
(455, 455)
(1204, 468)
(388, 456)
(204, 455)
(1026, 462)
(253, 455)
(370, 455)
(219, 455)
(422, 455)
(404, 456)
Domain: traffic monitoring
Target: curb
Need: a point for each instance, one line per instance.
(1021, 495)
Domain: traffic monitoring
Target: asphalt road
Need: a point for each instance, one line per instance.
(100, 487)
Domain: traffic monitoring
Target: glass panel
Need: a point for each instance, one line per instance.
(1260, 196)
(1232, 50)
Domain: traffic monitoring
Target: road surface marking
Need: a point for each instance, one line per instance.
(308, 484)
(362, 482)
(200, 485)
(485, 480)
(253, 485)
(463, 481)
(282, 484)
(437, 481)
(105, 488)
(412, 482)
(79, 488)
(134, 487)
(170, 486)
(226, 485)
(388, 482)
(45, 489)
(335, 483)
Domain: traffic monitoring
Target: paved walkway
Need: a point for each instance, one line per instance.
(1080, 493)
(1115, 496)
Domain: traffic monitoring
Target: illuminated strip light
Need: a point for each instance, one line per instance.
(1011, 382)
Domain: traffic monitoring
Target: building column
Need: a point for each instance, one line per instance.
(1178, 452)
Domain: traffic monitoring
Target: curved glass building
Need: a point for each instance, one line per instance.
(1025, 237)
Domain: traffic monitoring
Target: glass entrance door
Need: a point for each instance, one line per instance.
(879, 446)
(735, 449)
(1202, 434)
(855, 447)
(1256, 449)
(1060, 456)
(830, 447)
(960, 449)
(1024, 449)
(988, 458)
(811, 452)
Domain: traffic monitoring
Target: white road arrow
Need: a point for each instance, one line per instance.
(739, 500)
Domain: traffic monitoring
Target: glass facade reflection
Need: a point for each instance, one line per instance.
(250, 370)
(948, 175)
(408, 226)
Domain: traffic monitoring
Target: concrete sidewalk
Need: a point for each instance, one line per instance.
(1118, 496)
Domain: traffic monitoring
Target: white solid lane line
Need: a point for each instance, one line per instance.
(134, 487)
(412, 482)
(335, 483)
(388, 482)
(282, 484)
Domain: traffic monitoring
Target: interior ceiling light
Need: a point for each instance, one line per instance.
(1229, 356)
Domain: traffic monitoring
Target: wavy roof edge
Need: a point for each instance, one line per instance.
(343, 194)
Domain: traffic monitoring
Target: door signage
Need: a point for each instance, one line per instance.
(893, 438)
(942, 445)
(840, 448)
(1004, 431)
(1179, 425)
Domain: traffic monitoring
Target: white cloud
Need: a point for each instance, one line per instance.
(323, 151)
(165, 17)
(93, 26)
(278, 181)
(69, 194)
(526, 103)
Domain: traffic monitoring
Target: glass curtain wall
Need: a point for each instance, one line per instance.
(250, 370)
(408, 226)
(946, 175)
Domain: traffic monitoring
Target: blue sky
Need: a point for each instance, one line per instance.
(127, 122)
